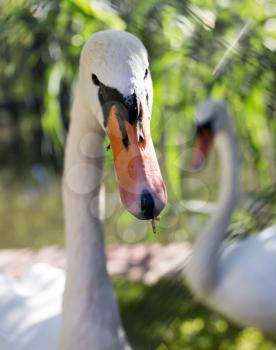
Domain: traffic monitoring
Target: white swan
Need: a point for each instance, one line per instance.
(237, 279)
(113, 95)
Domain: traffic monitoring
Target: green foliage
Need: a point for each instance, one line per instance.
(165, 317)
(197, 49)
(31, 216)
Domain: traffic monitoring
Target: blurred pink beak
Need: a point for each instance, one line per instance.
(203, 142)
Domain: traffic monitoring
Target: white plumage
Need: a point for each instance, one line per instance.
(30, 309)
(236, 279)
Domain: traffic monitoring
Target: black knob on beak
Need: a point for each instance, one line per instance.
(147, 205)
(133, 107)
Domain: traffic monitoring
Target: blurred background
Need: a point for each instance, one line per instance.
(198, 49)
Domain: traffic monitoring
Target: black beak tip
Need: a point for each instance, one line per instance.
(147, 205)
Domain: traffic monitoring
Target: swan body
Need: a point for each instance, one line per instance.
(246, 290)
(113, 97)
(236, 279)
(30, 309)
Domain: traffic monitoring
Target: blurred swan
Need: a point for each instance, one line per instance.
(236, 279)
(113, 97)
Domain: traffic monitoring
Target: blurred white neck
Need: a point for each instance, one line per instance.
(202, 273)
(90, 313)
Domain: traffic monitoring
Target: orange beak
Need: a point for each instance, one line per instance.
(141, 186)
(203, 142)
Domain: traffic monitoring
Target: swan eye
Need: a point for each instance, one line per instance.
(95, 79)
(146, 73)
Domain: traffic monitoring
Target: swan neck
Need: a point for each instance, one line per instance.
(82, 180)
(203, 271)
(90, 312)
(226, 146)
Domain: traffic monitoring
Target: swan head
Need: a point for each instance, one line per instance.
(116, 85)
(212, 117)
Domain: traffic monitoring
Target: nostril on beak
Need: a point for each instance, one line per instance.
(147, 205)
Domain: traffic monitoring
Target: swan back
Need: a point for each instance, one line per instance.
(246, 287)
(30, 309)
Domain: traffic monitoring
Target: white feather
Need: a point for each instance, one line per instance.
(236, 279)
